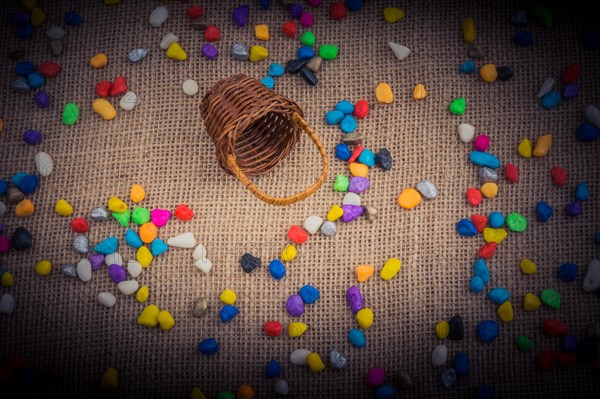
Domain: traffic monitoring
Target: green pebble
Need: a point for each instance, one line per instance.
(123, 217)
(328, 51)
(140, 216)
(516, 222)
(524, 343)
(458, 106)
(551, 298)
(543, 15)
(70, 114)
(341, 183)
(225, 395)
(308, 38)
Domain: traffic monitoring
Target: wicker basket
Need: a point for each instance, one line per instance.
(254, 129)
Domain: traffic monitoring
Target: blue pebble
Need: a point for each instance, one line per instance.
(476, 284)
(209, 346)
(348, 124)
(544, 211)
(484, 159)
(41, 99)
(480, 269)
(17, 178)
(19, 18)
(582, 192)
(25, 31)
(268, 82)
(227, 313)
(499, 295)
(273, 369)
(3, 187)
(485, 392)
(24, 68)
(587, 132)
(108, 246)
(345, 106)
(467, 67)
(357, 338)
(567, 272)
(334, 117)
(461, 364)
(496, 220)
(550, 99)
(569, 343)
(523, 39)
(596, 236)
(133, 239)
(35, 80)
(158, 247)
(342, 151)
(277, 269)
(276, 70)
(466, 228)
(354, 5)
(28, 184)
(265, 4)
(72, 18)
(305, 52)
(488, 330)
(309, 294)
(367, 157)
(385, 392)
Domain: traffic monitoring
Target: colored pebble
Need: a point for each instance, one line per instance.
(458, 106)
(341, 183)
(439, 355)
(551, 298)
(457, 329)
(393, 14)
(337, 359)
(442, 329)
(356, 338)
(527, 266)
(550, 99)
(488, 330)
(461, 364)
(364, 272)
(297, 234)
(364, 317)
(476, 284)
(345, 107)
(314, 362)
(468, 29)
(554, 328)
(474, 196)
(296, 329)
(289, 29)
(295, 305)
(390, 268)
(383, 93)
(239, 51)
(244, 392)
(467, 67)
(228, 297)
(276, 70)
(544, 211)
(258, 53)
(157, 247)
(494, 235)
(511, 172)
(505, 312)
(489, 189)
(49, 69)
(328, 51)
(261, 32)
(305, 52)
(277, 269)
(309, 294)
(104, 109)
(70, 114)
(499, 295)
(531, 302)
(523, 39)
(358, 169)
(307, 19)
(351, 212)
(140, 216)
(481, 143)
(289, 253)
(516, 222)
(273, 369)
(208, 346)
(466, 228)
(484, 159)
(582, 192)
(240, 15)
(496, 220)
(567, 272)
(587, 132)
(41, 99)
(375, 377)
(355, 299)
(81, 244)
(184, 240)
(570, 90)
(546, 87)
(409, 198)
(488, 73)
(524, 343)
(227, 313)
(559, 176)
(334, 117)
(348, 124)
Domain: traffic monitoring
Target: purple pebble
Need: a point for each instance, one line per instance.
(569, 343)
(295, 305)
(117, 273)
(240, 15)
(573, 209)
(570, 90)
(1, 226)
(359, 184)
(296, 10)
(32, 137)
(209, 51)
(355, 299)
(96, 260)
(41, 99)
(351, 212)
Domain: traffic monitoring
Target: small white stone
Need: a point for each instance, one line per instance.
(185, 240)
(298, 357)
(282, 388)
(351, 199)
(2, 208)
(167, 40)
(190, 87)
(400, 51)
(591, 281)
(592, 115)
(427, 189)
(199, 252)
(84, 270)
(313, 223)
(113, 259)
(129, 101)
(546, 87)
(128, 287)
(107, 299)
(7, 304)
(158, 16)
(204, 264)
(134, 268)
(55, 33)
(439, 355)
(44, 164)
(466, 132)
(328, 228)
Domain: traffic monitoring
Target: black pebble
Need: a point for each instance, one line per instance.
(504, 73)
(249, 262)
(21, 239)
(294, 66)
(457, 329)
(384, 159)
(309, 76)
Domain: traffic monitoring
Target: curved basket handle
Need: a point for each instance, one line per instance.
(233, 166)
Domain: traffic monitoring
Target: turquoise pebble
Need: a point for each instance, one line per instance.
(342, 151)
(277, 269)
(108, 246)
(348, 124)
(385, 392)
(488, 330)
(35, 80)
(582, 192)
(461, 364)
(305, 53)
(544, 211)
(480, 269)
(499, 295)
(357, 338)
(345, 106)
(550, 99)
(466, 228)
(18, 177)
(227, 313)
(467, 67)
(309, 294)
(276, 70)
(268, 82)
(496, 220)
(209, 346)
(476, 284)
(367, 157)
(133, 239)
(334, 117)
(484, 159)
(158, 247)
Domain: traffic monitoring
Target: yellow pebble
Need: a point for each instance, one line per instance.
(527, 266)
(489, 189)
(314, 362)
(111, 2)
(488, 73)
(24, 208)
(116, 205)
(334, 213)
(531, 302)
(258, 53)
(505, 312)
(442, 329)
(261, 32)
(296, 329)
(409, 198)
(37, 16)
(7, 279)
(383, 93)
(364, 272)
(419, 92)
(28, 4)
(228, 297)
(524, 149)
(542, 145)
(142, 294)
(197, 394)
(166, 320)
(63, 208)
(289, 253)
(110, 379)
(364, 317)
(43, 267)
(468, 28)
(104, 109)
(359, 169)
(175, 52)
(393, 14)
(390, 268)
(144, 256)
(494, 235)
(149, 316)
(137, 193)
(99, 60)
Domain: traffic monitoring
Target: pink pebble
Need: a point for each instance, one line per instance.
(482, 142)
(375, 378)
(4, 245)
(160, 217)
(307, 19)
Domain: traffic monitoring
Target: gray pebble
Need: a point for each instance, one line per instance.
(328, 228)
(137, 54)
(546, 87)
(427, 189)
(99, 215)
(55, 33)
(14, 195)
(353, 138)
(70, 270)
(56, 46)
(448, 378)
(404, 380)
(239, 51)
(475, 52)
(81, 244)
(20, 85)
(487, 174)
(200, 307)
(371, 213)
(199, 24)
(314, 64)
(337, 359)
(519, 18)
(592, 115)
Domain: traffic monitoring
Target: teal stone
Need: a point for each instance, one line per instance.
(367, 157)
(480, 158)
(133, 239)
(108, 246)
(158, 247)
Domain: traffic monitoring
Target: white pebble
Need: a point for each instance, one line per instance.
(204, 264)
(351, 199)
(55, 32)
(107, 299)
(427, 189)
(7, 304)
(84, 270)
(128, 287)
(298, 357)
(199, 252)
(44, 164)
(167, 40)
(439, 355)
(328, 228)
(313, 223)
(185, 240)
(2, 208)
(400, 51)
(282, 388)
(113, 259)
(158, 16)
(546, 87)
(466, 132)
(134, 268)
(129, 101)
(190, 87)
(592, 115)
(591, 281)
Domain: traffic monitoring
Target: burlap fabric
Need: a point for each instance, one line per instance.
(162, 144)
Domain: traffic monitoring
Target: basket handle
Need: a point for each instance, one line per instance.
(233, 166)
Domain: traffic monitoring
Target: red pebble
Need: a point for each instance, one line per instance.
(479, 221)
(559, 176)
(79, 225)
(544, 360)
(511, 172)
(564, 359)
(184, 213)
(297, 234)
(289, 29)
(119, 86)
(195, 12)
(272, 328)
(356, 153)
(102, 88)
(49, 69)
(338, 11)
(554, 328)
(212, 34)
(474, 196)
(6, 374)
(16, 362)
(488, 250)
(361, 109)
(571, 73)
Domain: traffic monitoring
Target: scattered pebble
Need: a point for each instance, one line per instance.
(400, 51)
(158, 16)
(439, 355)
(384, 94)
(138, 54)
(591, 281)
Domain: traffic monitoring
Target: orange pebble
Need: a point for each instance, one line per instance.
(24, 208)
(99, 60)
(244, 392)
(148, 232)
(363, 272)
(137, 193)
(359, 169)
(409, 198)
(488, 72)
